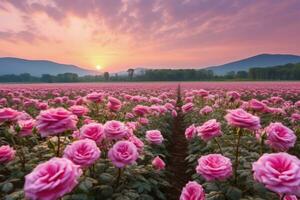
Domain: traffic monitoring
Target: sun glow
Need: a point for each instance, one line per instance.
(98, 67)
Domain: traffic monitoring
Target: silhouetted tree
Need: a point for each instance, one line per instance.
(130, 73)
(106, 76)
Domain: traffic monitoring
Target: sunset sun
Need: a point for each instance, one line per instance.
(98, 67)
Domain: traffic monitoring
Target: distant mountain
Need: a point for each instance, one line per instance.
(261, 60)
(9, 65)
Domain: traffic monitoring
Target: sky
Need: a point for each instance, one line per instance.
(114, 35)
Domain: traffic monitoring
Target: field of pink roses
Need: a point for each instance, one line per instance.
(188, 141)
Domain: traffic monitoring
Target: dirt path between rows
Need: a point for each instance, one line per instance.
(177, 165)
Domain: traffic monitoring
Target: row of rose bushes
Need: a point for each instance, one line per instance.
(79, 144)
(242, 145)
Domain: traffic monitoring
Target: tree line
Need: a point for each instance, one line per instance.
(281, 72)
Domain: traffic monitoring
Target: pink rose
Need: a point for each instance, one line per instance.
(203, 93)
(93, 131)
(256, 105)
(54, 121)
(8, 114)
(42, 106)
(26, 127)
(82, 152)
(141, 110)
(95, 97)
(280, 137)
(192, 191)
(52, 179)
(123, 153)
(7, 153)
(206, 110)
(214, 167)
(295, 117)
(209, 130)
(289, 197)
(114, 104)
(279, 172)
(158, 163)
(154, 137)
(187, 107)
(115, 130)
(137, 142)
(233, 95)
(240, 118)
(79, 110)
(190, 132)
(174, 113)
(143, 121)
(129, 116)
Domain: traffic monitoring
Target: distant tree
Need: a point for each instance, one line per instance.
(230, 75)
(47, 78)
(242, 74)
(130, 73)
(106, 76)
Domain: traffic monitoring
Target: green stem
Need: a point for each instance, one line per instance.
(262, 145)
(119, 176)
(237, 155)
(21, 154)
(58, 146)
(215, 139)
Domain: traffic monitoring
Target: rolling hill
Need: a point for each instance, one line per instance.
(261, 60)
(9, 65)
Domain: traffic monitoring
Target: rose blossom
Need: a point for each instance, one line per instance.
(280, 137)
(233, 95)
(143, 121)
(190, 132)
(154, 137)
(256, 105)
(209, 130)
(95, 97)
(174, 113)
(140, 110)
(158, 163)
(214, 167)
(7, 153)
(52, 179)
(206, 110)
(26, 127)
(279, 172)
(82, 152)
(137, 142)
(187, 107)
(242, 119)
(295, 117)
(289, 197)
(8, 114)
(192, 191)
(93, 131)
(114, 104)
(54, 121)
(79, 110)
(123, 153)
(115, 130)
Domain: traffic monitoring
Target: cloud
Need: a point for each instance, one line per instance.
(158, 28)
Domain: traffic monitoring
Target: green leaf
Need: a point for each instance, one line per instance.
(106, 178)
(106, 190)
(7, 187)
(79, 197)
(86, 185)
(233, 193)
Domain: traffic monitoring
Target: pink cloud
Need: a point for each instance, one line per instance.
(162, 33)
